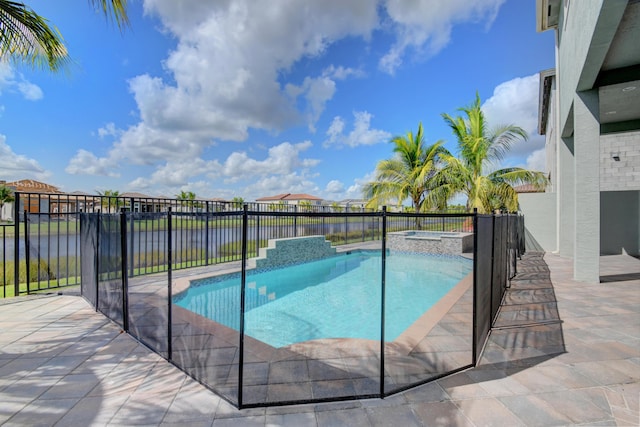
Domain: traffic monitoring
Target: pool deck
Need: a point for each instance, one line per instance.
(565, 353)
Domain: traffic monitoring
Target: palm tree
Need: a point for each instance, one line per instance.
(6, 196)
(305, 206)
(480, 149)
(408, 175)
(110, 199)
(186, 198)
(237, 202)
(27, 37)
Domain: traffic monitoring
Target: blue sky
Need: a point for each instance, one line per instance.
(244, 98)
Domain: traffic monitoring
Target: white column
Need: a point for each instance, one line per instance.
(586, 143)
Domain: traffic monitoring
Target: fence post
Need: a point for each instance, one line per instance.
(123, 269)
(27, 252)
(257, 231)
(97, 272)
(346, 229)
(16, 245)
(243, 280)
(206, 234)
(383, 291)
(474, 342)
(131, 245)
(169, 285)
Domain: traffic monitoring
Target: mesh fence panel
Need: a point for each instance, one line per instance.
(206, 349)
(499, 273)
(148, 299)
(110, 281)
(513, 245)
(483, 279)
(429, 300)
(304, 320)
(89, 259)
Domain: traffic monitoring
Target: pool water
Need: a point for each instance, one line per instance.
(337, 297)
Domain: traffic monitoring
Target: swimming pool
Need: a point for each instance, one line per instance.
(337, 297)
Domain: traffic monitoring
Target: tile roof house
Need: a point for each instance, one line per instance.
(32, 186)
(290, 199)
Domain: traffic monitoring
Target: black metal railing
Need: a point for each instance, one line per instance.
(40, 250)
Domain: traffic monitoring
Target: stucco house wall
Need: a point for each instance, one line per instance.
(539, 210)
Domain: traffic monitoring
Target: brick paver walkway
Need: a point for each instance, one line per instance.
(564, 353)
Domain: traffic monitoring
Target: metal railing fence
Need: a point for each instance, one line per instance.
(247, 371)
(40, 250)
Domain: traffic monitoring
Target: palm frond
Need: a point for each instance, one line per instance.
(502, 139)
(27, 37)
(115, 10)
(518, 176)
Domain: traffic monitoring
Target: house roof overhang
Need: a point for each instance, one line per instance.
(547, 14)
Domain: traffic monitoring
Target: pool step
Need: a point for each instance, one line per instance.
(281, 252)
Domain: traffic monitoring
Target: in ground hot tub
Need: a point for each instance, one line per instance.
(434, 242)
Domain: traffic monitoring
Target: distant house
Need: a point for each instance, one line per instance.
(42, 197)
(352, 204)
(289, 199)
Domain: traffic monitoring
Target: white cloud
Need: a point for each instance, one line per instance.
(109, 130)
(230, 72)
(355, 190)
(226, 69)
(515, 102)
(427, 24)
(15, 82)
(334, 187)
(282, 168)
(362, 134)
(537, 161)
(15, 166)
(335, 130)
(176, 174)
(282, 159)
(342, 73)
(30, 91)
(290, 183)
(86, 163)
(317, 92)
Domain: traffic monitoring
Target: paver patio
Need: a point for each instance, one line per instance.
(564, 353)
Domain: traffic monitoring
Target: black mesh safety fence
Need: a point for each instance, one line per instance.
(429, 293)
(89, 261)
(498, 282)
(147, 295)
(303, 306)
(483, 268)
(513, 244)
(205, 325)
(102, 264)
(306, 303)
(110, 262)
(207, 349)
